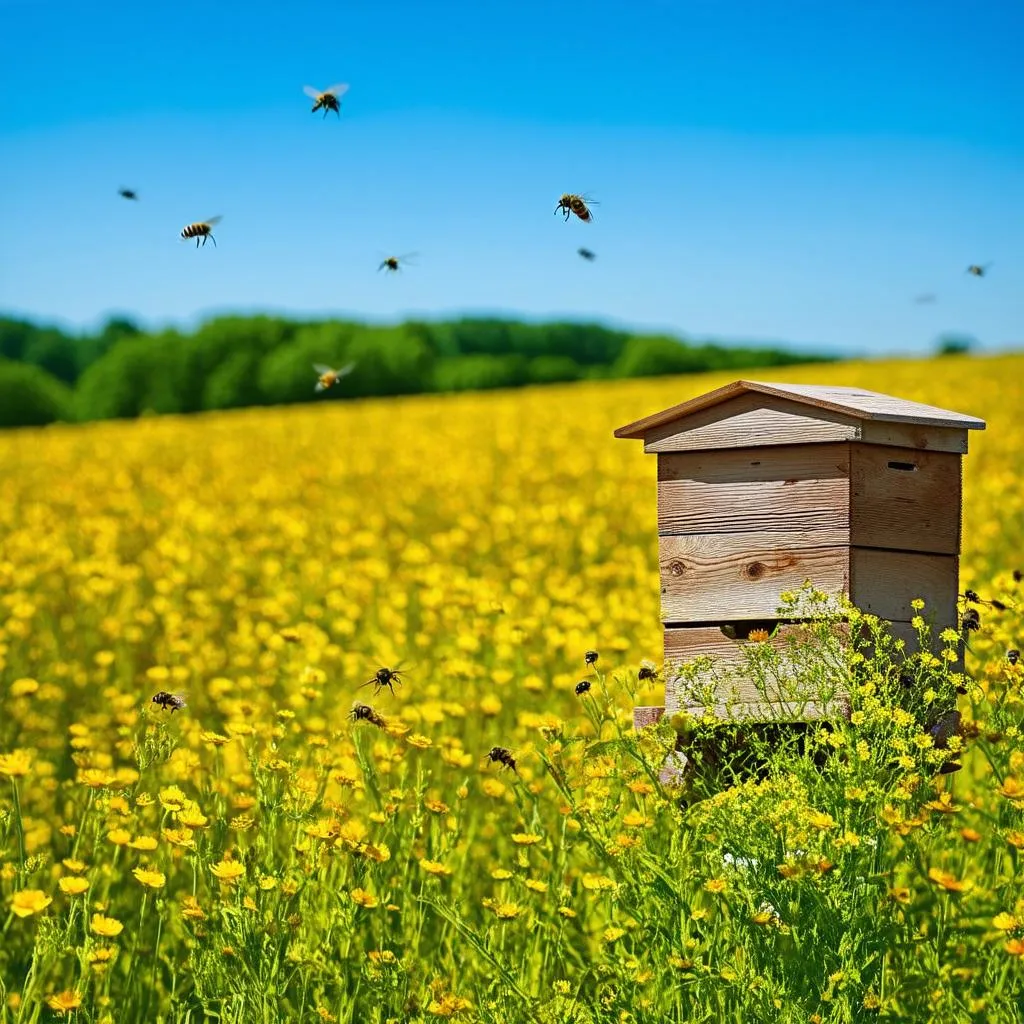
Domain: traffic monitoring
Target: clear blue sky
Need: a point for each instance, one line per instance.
(766, 169)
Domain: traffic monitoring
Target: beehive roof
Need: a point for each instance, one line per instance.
(868, 405)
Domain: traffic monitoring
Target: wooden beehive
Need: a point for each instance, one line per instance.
(762, 487)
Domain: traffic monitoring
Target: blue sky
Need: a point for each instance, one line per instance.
(765, 170)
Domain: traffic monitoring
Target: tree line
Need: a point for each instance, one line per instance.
(229, 362)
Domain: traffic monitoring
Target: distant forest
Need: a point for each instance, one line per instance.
(231, 362)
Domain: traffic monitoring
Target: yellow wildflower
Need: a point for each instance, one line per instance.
(27, 902)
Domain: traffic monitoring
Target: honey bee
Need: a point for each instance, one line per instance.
(327, 100)
(201, 229)
(580, 205)
(586, 253)
(502, 756)
(648, 670)
(174, 701)
(590, 657)
(978, 271)
(328, 377)
(364, 713)
(1013, 655)
(393, 263)
(582, 687)
(383, 677)
(127, 193)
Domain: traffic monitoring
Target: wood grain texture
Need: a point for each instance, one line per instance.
(643, 715)
(885, 582)
(752, 421)
(902, 500)
(904, 435)
(720, 577)
(796, 487)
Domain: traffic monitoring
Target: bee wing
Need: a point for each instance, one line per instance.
(321, 369)
(345, 370)
(313, 94)
(337, 91)
(210, 221)
(407, 256)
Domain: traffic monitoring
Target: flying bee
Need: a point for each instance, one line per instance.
(127, 193)
(502, 756)
(590, 657)
(972, 597)
(587, 254)
(364, 713)
(201, 229)
(569, 202)
(383, 677)
(978, 271)
(328, 100)
(648, 670)
(328, 377)
(394, 263)
(174, 701)
(582, 687)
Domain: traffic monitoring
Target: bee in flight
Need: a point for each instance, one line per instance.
(201, 229)
(364, 713)
(393, 263)
(328, 377)
(127, 193)
(328, 100)
(381, 678)
(978, 271)
(590, 657)
(586, 253)
(648, 671)
(174, 701)
(572, 203)
(502, 756)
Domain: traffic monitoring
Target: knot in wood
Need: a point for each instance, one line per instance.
(676, 567)
(755, 570)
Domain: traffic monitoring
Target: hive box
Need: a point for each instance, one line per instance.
(762, 487)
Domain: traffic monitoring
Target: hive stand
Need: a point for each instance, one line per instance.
(764, 486)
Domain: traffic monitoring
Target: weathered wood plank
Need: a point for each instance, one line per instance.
(643, 716)
(742, 575)
(742, 490)
(752, 421)
(904, 435)
(885, 582)
(906, 501)
(760, 711)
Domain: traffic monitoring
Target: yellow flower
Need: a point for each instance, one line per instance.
(27, 902)
(76, 866)
(416, 740)
(173, 799)
(1012, 788)
(23, 687)
(612, 933)
(597, 883)
(228, 871)
(715, 885)
(434, 867)
(65, 1002)
(634, 819)
(493, 787)
(507, 911)
(107, 927)
(190, 908)
(150, 879)
(501, 874)
(532, 883)
(178, 836)
(949, 882)
(192, 817)
(1015, 947)
(147, 843)
(73, 886)
(1005, 922)
(364, 898)
(525, 838)
(15, 764)
(119, 836)
(820, 820)
(490, 705)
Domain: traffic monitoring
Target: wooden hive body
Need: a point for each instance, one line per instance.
(762, 487)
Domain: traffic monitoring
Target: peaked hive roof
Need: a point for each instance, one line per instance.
(857, 402)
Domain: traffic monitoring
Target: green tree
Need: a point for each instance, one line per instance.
(29, 396)
(480, 372)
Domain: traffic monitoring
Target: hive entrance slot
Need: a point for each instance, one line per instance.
(906, 467)
(742, 630)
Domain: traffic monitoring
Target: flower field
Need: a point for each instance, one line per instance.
(262, 856)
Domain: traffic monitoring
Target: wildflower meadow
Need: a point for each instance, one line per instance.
(265, 854)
